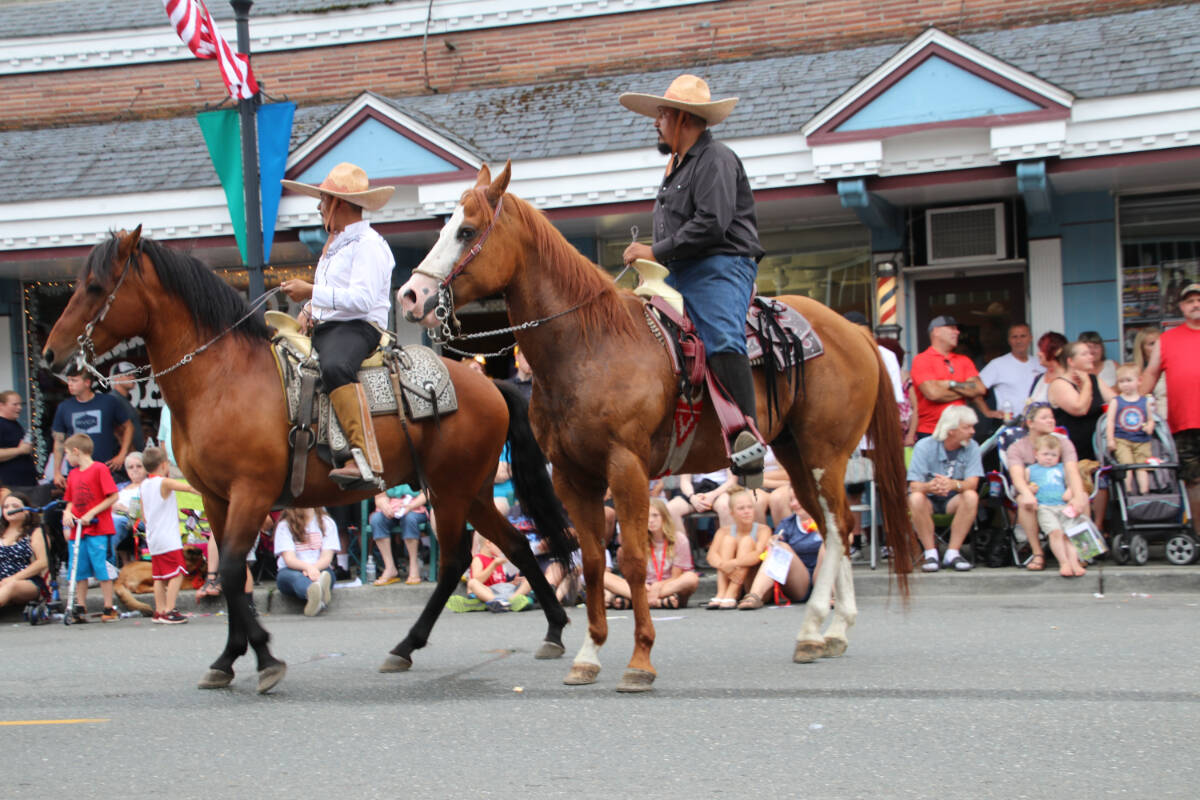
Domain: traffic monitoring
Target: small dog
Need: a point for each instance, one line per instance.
(136, 578)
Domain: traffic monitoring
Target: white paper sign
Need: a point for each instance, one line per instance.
(778, 560)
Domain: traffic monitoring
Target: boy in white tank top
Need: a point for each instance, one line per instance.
(161, 512)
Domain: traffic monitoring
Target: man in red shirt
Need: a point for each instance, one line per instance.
(1177, 354)
(942, 377)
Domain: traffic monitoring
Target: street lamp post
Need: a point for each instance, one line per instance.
(246, 109)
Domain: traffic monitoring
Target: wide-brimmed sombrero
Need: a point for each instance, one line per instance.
(687, 93)
(348, 182)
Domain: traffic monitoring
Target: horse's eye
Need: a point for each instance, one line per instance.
(95, 289)
(466, 234)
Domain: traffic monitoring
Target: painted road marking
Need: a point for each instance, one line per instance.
(50, 721)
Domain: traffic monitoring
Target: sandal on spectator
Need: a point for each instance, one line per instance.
(670, 601)
(750, 602)
(959, 563)
(211, 587)
(1037, 563)
(619, 603)
(713, 604)
(930, 564)
(381, 581)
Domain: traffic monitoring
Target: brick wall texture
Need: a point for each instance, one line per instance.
(635, 41)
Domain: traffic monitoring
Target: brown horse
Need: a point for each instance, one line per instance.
(604, 393)
(230, 434)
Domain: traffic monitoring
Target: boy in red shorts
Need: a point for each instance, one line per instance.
(161, 512)
(90, 494)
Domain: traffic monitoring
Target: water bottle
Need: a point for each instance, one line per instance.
(1007, 410)
(370, 577)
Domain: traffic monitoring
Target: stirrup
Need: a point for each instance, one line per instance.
(366, 478)
(746, 457)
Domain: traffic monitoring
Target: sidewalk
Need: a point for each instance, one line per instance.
(1154, 578)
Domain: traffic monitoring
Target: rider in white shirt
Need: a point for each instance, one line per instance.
(348, 306)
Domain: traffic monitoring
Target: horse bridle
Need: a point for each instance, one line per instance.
(87, 347)
(444, 310)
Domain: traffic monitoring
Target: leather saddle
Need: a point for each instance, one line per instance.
(409, 381)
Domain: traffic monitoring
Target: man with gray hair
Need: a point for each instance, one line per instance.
(943, 478)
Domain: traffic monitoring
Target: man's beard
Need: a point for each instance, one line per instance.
(664, 148)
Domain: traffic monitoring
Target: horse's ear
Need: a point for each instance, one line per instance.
(128, 241)
(485, 176)
(500, 185)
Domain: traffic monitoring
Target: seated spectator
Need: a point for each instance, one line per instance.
(488, 585)
(1039, 420)
(709, 493)
(399, 507)
(306, 541)
(1049, 347)
(799, 537)
(127, 510)
(670, 579)
(1078, 397)
(736, 549)
(502, 485)
(23, 556)
(943, 478)
(1048, 482)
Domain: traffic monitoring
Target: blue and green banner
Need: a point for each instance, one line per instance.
(223, 134)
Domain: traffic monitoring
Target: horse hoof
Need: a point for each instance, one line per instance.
(636, 680)
(834, 648)
(582, 674)
(395, 663)
(808, 652)
(549, 650)
(215, 679)
(267, 678)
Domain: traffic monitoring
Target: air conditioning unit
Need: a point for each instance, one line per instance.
(965, 234)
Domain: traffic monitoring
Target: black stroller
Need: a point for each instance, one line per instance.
(1135, 521)
(51, 604)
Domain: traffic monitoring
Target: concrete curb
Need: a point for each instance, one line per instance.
(1007, 581)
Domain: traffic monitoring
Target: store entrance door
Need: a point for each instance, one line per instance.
(984, 306)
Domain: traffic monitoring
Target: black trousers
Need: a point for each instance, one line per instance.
(341, 347)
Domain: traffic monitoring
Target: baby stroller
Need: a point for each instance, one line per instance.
(50, 604)
(1161, 515)
(994, 541)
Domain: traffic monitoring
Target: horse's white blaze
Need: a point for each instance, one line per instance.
(447, 250)
(589, 653)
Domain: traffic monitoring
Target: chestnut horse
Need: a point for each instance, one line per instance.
(604, 394)
(230, 435)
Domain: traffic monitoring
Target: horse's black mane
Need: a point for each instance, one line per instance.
(215, 305)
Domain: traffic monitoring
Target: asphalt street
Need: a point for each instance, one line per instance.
(1035, 695)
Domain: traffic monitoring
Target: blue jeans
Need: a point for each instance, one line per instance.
(410, 525)
(295, 583)
(716, 294)
(124, 528)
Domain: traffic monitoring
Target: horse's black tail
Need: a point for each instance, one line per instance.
(531, 480)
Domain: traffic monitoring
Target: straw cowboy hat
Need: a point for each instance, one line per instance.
(687, 93)
(348, 182)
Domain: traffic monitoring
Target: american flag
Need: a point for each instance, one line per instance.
(196, 28)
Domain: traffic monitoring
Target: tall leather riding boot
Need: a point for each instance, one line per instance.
(350, 405)
(746, 450)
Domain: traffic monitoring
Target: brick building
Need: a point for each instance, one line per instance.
(1011, 160)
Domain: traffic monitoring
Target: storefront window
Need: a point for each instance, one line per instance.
(1160, 254)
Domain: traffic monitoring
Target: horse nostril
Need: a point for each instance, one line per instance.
(47, 359)
(409, 297)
